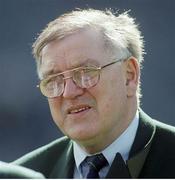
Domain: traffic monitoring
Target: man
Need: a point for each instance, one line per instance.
(8, 171)
(89, 63)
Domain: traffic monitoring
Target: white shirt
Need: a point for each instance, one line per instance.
(122, 145)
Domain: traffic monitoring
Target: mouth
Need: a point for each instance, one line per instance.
(78, 109)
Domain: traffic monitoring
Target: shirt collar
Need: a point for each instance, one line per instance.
(122, 145)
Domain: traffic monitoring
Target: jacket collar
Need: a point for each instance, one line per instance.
(141, 145)
(64, 168)
(138, 153)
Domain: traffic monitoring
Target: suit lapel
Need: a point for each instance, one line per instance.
(141, 145)
(64, 167)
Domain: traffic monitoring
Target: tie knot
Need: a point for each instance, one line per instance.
(96, 162)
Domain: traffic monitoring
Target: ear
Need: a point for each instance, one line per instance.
(132, 76)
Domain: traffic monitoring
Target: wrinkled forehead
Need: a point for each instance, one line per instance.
(52, 67)
(81, 48)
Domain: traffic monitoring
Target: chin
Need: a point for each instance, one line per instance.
(82, 136)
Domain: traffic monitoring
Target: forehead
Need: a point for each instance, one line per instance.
(82, 48)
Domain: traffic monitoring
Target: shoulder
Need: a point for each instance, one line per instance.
(161, 135)
(13, 171)
(164, 127)
(161, 157)
(45, 153)
(159, 128)
(164, 133)
(163, 141)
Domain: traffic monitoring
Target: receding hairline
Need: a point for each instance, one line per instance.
(78, 20)
(45, 42)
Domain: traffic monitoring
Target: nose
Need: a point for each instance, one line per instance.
(71, 90)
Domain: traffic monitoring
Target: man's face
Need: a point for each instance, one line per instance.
(92, 117)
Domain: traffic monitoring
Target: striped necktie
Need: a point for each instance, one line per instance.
(95, 164)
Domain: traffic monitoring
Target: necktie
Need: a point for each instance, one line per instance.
(95, 164)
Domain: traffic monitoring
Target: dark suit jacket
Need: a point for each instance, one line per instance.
(8, 171)
(152, 155)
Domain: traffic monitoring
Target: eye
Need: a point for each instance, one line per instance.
(52, 82)
(53, 86)
(86, 77)
(85, 73)
(48, 85)
(90, 73)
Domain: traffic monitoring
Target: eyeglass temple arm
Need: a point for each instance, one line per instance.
(112, 63)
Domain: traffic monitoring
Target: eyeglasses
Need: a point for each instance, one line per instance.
(84, 77)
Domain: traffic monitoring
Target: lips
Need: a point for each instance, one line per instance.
(77, 109)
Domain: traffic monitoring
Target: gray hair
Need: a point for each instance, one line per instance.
(119, 31)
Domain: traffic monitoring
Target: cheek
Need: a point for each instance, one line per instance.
(107, 103)
(110, 94)
(55, 110)
(104, 99)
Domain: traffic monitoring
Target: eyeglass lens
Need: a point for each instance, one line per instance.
(84, 78)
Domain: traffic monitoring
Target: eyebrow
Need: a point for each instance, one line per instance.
(81, 64)
(88, 62)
